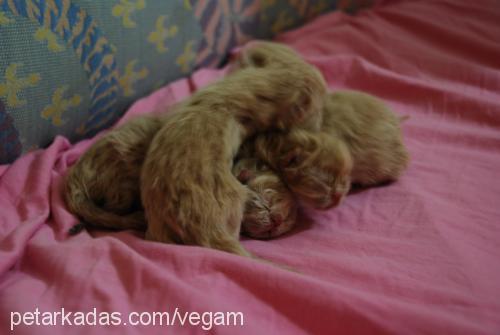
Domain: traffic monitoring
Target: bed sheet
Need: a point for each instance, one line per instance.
(419, 256)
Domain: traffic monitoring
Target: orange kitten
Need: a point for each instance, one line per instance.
(270, 210)
(360, 142)
(102, 188)
(366, 135)
(315, 166)
(372, 134)
(188, 191)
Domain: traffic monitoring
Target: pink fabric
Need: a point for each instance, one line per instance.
(420, 256)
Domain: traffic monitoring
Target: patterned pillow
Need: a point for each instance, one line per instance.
(72, 68)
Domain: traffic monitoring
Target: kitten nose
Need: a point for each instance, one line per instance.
(277, 220)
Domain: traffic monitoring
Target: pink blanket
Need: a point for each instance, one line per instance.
(420, 256)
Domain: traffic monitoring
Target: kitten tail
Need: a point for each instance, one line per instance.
(81, 204)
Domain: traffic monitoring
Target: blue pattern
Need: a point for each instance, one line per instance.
(101, 110)
(10, 146)
(71, 58)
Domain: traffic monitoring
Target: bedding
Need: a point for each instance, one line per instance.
(419, 256)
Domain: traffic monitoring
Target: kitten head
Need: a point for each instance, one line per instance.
(270, 209)
(315, 166)
(298, 76)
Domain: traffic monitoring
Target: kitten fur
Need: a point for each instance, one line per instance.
(270, 209)
(102, 188)
(107, 195)
(367, 138)
(360, 142)
(188, 191)
(318, 185)
(372, 134)
(315, 166)
(272, 55)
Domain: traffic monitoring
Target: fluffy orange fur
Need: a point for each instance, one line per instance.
(102, 188)
(372, 134)
(270, 209)
(360, 140)
(188, 191)
(315, 145)
(315, 166)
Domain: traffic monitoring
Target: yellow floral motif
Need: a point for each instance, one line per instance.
(161, 33)
(187, 57)
(282, 22)
(59, 106)
(13, 85)
(126, 8)
(187, 5)
(42, 34)
(4, 20)
(130, 77)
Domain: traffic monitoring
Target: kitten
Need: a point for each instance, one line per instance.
(360, 142)
(315, 166)
(366, 136)
(372, 134)
(325, 190)
(187, 189)
(102, 188)
(270, 209)
(107, 195)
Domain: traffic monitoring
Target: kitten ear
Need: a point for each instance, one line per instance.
(257, 59)
(249, 56)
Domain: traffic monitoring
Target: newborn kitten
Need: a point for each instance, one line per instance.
(360, 142)
(188, 191)
(372, 134)
(315, 166)
(270, 210)
(102, 188)
(363, 135)
(316, 184)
